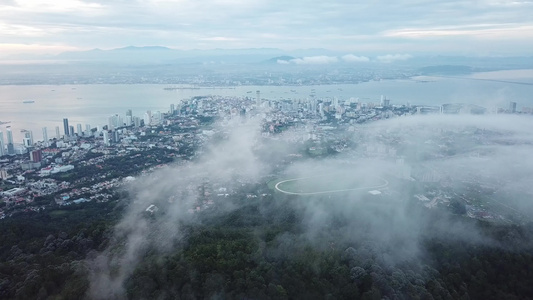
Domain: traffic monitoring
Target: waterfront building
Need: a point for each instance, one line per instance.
(58, 135)
(45, 137)
(147, 118)
(114, 121)
(2, 149)
(106, 138)
(66, 127)
(137, 121)
(157, 118)
(28, 139)
(88, 130)
(10, 145)
(26, 142)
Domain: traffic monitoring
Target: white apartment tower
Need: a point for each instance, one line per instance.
(10, 145)
(45, 137)
(147, 118)
(2, 149)
(28, 138)
(106, 138)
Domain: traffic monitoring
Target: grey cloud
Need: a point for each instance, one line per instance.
(296, 21)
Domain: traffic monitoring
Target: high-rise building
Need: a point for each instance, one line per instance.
(115, 121)
(26, 141)
(128, 113)
(147, 118)
(111, 123)
(157, 118)
(88, 131)
(258, 98)
(2, 149)
(66, 127)
(10, 145)
(28, 138)
(106, 138)
(137, 121)
(128, 120)
(78, 130)
(36, 156)
(115, 136)
(172, 109)
(58, 135)
(45, 137)
(71, 130)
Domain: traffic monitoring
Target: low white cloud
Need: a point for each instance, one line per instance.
(354, 58)
(393, 57)
(315, 60)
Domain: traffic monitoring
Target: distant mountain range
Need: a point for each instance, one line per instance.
(153, 55)
(158, 54)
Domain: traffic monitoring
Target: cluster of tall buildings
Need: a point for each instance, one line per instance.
(27, 142)
(114, 122)
(10, 150)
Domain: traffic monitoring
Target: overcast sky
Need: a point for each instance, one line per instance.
(482, 27)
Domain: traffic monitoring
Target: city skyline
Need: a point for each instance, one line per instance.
(116, 121)
(405, 27)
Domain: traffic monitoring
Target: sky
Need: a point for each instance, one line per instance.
(482, 27)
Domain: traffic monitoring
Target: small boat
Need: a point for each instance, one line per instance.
(28, 101)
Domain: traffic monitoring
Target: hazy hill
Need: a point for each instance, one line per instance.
(158, 54)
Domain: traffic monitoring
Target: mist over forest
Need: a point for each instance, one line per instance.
(221, 232)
